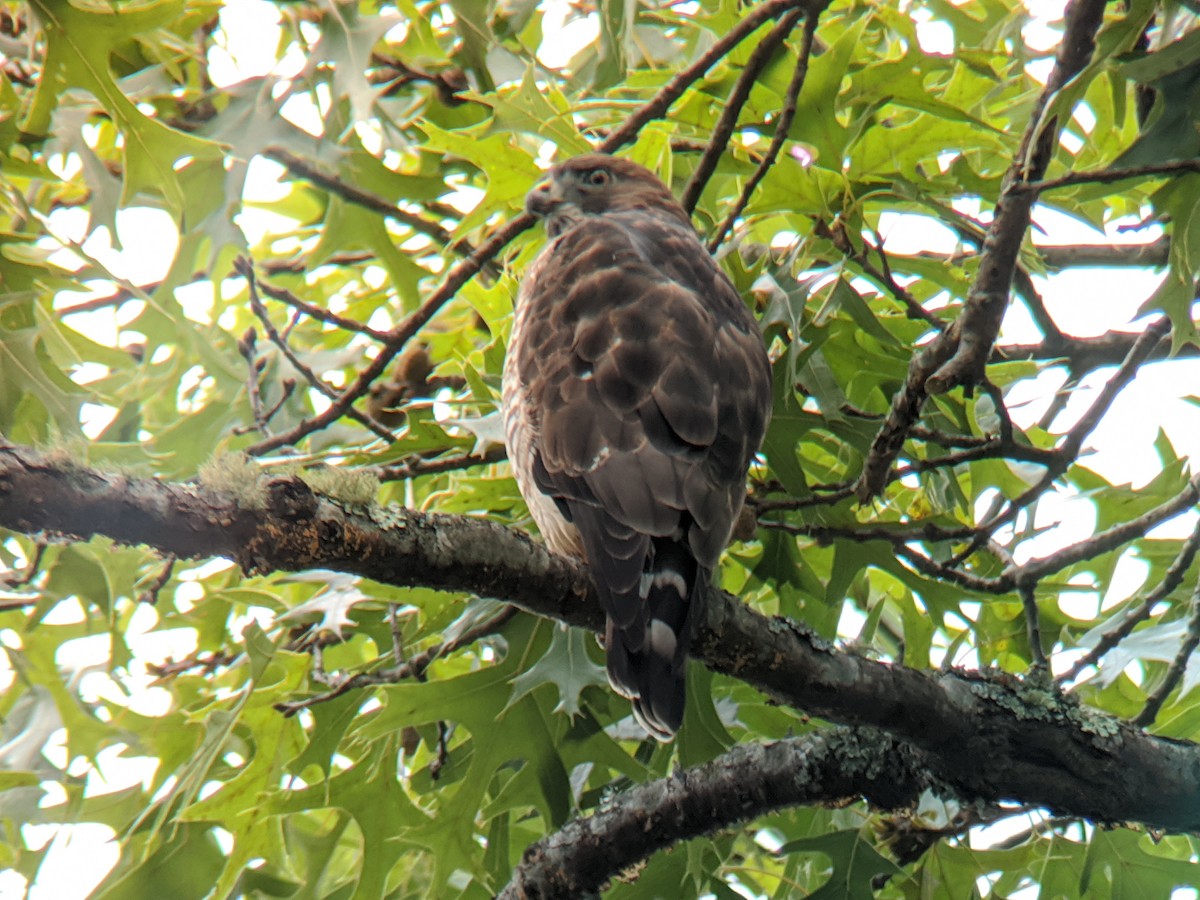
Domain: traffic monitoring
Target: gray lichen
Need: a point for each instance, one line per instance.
(351, 487)
(235, 474)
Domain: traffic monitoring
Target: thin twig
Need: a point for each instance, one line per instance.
(367, 200)
(723, 130)
(1064, 455)
(1109, 176)
(150, 595)
(414, 667)
(245, 268)
(247, 347)
(1107, 541)
(321, 315)
(883, 274)
(416, 467)
(1179, 665)
(1023, 284)
(1113, 637)
(1033, 626)
(897, 533)
(26, 574)
(1005, 431)
(1138, 354)
(782, 127)
(934, 569)
(209, 663)
(661, 102)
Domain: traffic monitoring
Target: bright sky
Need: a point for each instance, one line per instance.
(1083, 302)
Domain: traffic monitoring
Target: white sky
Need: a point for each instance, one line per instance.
(1083, 302)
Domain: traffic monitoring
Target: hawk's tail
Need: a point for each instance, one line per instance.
(647, 660)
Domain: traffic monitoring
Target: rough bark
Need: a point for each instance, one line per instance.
(990, 735)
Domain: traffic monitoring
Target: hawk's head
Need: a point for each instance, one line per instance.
(595, 184)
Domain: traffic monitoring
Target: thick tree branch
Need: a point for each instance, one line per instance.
(829, 767)
(1042, 747)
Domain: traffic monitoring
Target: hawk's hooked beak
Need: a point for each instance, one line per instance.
(545, 197)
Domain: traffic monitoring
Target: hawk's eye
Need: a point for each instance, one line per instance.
(598, 177)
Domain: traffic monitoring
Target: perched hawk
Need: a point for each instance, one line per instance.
(636, 390)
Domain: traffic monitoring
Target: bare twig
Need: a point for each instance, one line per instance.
(1064, 455)
(442, 753)
(366, 199)
(23, 577)
(1179, 664)
(396, 73)
(782, 126)
(413, 667)
(1111, 638)
(658, 105)
(883, 274)
(150, 594)
(1110, 176)
(723, 130)
(247, 347)
(245, 268)
(897, 533)
(1028, 292)
(208, 662)
(1106, 541)
(321, 315)
(1138, 354)
(417, 466)
(934, 569)
(1033, 627)
(397, 634)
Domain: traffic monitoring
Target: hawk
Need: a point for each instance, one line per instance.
(636, 390)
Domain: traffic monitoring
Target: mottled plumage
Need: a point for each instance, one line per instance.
(636, 391)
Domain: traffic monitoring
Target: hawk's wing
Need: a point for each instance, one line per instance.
(649, 391)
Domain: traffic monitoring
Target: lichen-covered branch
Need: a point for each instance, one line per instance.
(830, 767)
(1042, 747)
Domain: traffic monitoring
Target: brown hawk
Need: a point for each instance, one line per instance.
(636, 391)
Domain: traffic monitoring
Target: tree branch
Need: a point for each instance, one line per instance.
(959, 354)
(1047, 749)
(757, 61)
(1110, 176)
(658, 105)
(1170, 581)
(1178, 666)
(482, 255)
(400, 335)
(829, 767)
(782, 127)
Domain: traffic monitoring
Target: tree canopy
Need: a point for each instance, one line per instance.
(263, 548)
